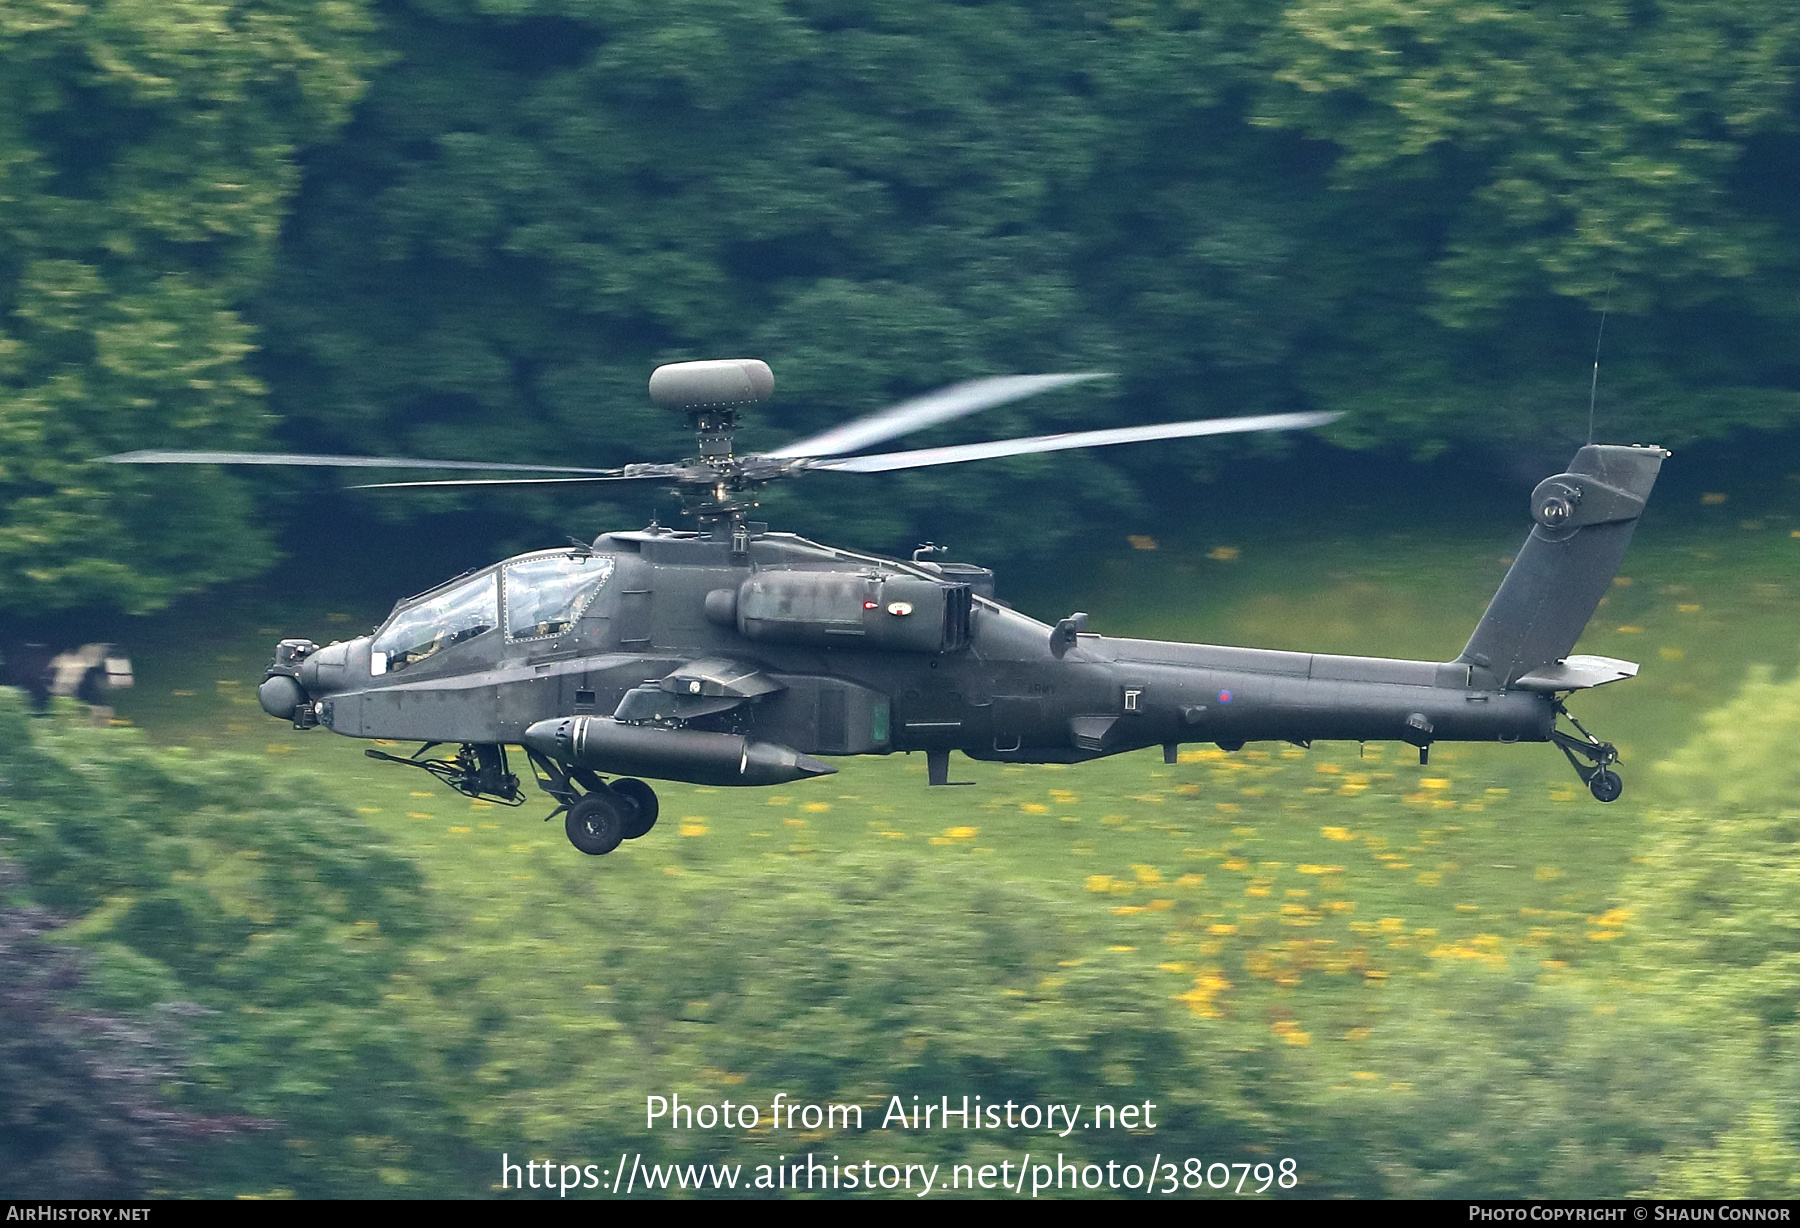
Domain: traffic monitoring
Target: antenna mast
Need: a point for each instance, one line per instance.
(1594, 382)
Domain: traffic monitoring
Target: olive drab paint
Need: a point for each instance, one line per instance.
(730, 655)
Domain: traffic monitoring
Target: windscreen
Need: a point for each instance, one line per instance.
(546, 596)
(417, 632)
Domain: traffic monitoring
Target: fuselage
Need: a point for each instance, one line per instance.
(609, 633)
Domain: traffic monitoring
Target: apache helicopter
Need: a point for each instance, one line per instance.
(727, 654)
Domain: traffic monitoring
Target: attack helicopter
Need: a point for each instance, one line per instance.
(728, 654)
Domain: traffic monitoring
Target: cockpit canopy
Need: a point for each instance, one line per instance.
(543, 596)
(547, 595)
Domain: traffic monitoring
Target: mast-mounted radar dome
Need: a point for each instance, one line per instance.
(717, 382)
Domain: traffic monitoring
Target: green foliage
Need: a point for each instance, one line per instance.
(1525, 167)
(870, 978)
(1627, 1073)
(545, 994)
(540, 201)
(1486, 1083)
(1410, 214)
(80, 1109)
(1719, 897)
(224, 885)
(1594, 144)
(146, 159)
(1404, 213)
(844, 979)
(1755, 1159)
(1721, 888)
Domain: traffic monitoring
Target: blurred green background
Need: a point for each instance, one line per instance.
(242, 960)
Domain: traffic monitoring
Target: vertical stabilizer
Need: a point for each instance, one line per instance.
(1584, 520)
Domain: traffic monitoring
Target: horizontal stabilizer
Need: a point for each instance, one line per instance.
(1577, 673)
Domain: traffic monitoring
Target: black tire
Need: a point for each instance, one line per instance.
(1606, 786)
(596, 823)
(641, 806)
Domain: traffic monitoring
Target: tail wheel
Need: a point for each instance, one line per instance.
(596, 823)
(641, 805)
(1606, 785)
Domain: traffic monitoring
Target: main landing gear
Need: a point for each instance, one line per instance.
(1596, 773)
(598, 816)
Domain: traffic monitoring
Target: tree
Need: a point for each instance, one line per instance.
(1411, 214)
(230, 886)
(82, 1113)
(1554, 162)
(146, 158)
(540, 201)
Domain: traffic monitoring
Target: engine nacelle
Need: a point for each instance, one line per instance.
(832, 609)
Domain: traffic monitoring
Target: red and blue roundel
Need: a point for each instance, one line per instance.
(1224, 697)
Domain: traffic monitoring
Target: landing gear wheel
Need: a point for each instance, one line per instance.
(1606, 786)
(596, 823)
(1596, 773)
(641, 805)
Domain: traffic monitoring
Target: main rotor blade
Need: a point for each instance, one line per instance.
(934, 407)
(341, 462)
(605, 477)
(957, 453)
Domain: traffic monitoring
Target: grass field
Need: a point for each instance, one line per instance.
(1281, 890)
